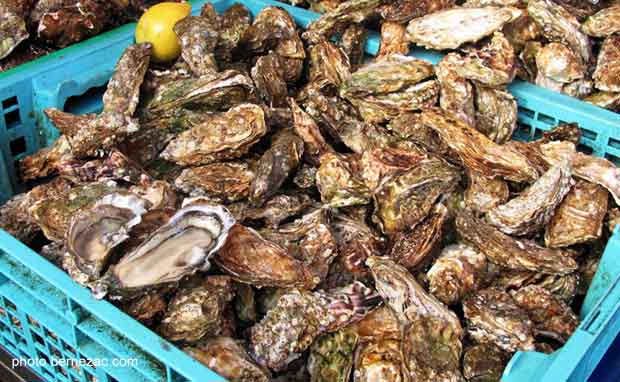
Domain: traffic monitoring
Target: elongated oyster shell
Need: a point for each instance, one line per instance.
(339, 184)
(393, 40)
(380, 360)
(228, 358)
(552, 317)
(329, 65)
(305, 127)
(95, 232)
(123, 92)
(483, 194)
(457, 93)
(496, 114)
(279, 208)
(177, 249)
(607, 75)
(438, 30)
(197, 311)
(493, 316)
(491, 65)
(15, 219)
(413, 248)
(380, 163)
(559, 63)
(12, 30)
(268, 76)
(331, 357)
(604, 23)
(458, 271)
(353, 43)
(224, 136)
(506, 251)
(229, 181)
(484, 363)
(266, 264)
(402, 11)
(198, 37)
(276, 165)
(299, 317)
(477, 152)
(557, 24)
(563, 287)
(579, 218)
(534, 208)
(605, 100)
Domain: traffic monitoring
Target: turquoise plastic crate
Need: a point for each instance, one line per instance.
(45, 314)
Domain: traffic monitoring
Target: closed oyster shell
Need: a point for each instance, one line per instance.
(559, 63)
(483, 194)
(229, 181)
(279, 208)
(458, 271)
(228, 358)
(476, 151)
(607, 75)
(198, 37)
(579, 218)
(339, 184)
(15, 219)
(268, 76)
(12, 30)
(305, 127)
(491, 65)
(402, 11)
(496, 114)
(115, 166)
(393, 40)
(484, 363)
(604, 23)
(192, 235)
(233, 23)
(146, 309)
(353, 43)
(457, 93)
(563, 287)
(380, 360)
(381, 163)
(300, 317)
(226, 135)
(331, 357)
(438, 31)
(493, 316)
(552, 317)
(605, 100)
(534, 208)
(123, 92)
(197, 311)
(506, 251)
(380, 324)
(329, 65)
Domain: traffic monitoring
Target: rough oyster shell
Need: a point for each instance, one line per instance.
(483, 194)
(15, 219)
(605, 100)
(279, 208)
(457, 93)
(198, 37)
(438, 30)
(563, 287)
(607, 75)
(491, 65)
(381, 163)
(496, 114)
(380, 360)
(484, 362)
(604, 23)
(305, 127)
(331, 357)
(393, 40)
(339, 184)
(559, 63)
(353, 43)
(378, 325)
(12, 30)
(329, 65)
(402, 11)
(123, 92)
(229, 181)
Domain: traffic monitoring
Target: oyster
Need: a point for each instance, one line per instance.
(405, 200)
(491, 65)
(380, 324)
(268, 76)
(413, 248)
(605, 100)
(353, 44)
(305, 127)
(224, 136)
(381, 163)
(579, 218)
(265, 264)
(339, 183)
(198, 37)
(14, 218)
(484, 363)
(563, 287)
(300, 317)
(559, 63)
(53, 252)
(508, 252)
(484, 194)
(438, 31)
(123, 92)
(147, 309)
(457, 93)
(12, 32)
(229, 181)
(551, 316)
(228, 358)
(604, 23)
(458, 271)
(494, 317)
(496, 114)
(329, 65)
(276, 165)
(402, 11)
(233, 24)
(245, 303)
(534, 207)
(115, 166)
(613, 219)
(95, 232)
(393, 40)
(279, 208)
(607, 76)
(559, 25)
(527, 61)
(197, 311)
(160, 194)
(192, 235)
(476, 151)
(380, 360)
(331, 357)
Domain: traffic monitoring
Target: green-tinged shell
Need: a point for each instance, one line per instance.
(12, 30)
(339, 184)
(331, 357)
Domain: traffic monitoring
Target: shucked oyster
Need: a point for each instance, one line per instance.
(493, 316)
(604, 23)
(331, 357)
(228, 181)
(95, 232)
(607, 75)
(197, 311)
(177, 249)
(508, 252)
(438, 30)
(228, 358)
(299, 317)
(224, 136)
(533, 209)
(12, 30)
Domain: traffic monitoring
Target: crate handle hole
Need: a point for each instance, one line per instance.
(11, 101)
(12, 119)
(88, 102)
(614, 143)
(588, 134)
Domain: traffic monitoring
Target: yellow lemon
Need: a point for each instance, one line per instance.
(156, 26)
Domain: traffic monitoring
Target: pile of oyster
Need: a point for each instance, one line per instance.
(33, 28)
(569, 46)
(285, 209)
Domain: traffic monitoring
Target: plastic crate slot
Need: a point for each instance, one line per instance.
(585, 149)
(615, 143)
(588, 134)
(7, 103)
(38, 338)
(10, 306)
(18, 146)
(528, 112)
(538, 133)
(613, 158)
(12, 119)
(88, 102)
(546, 119)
